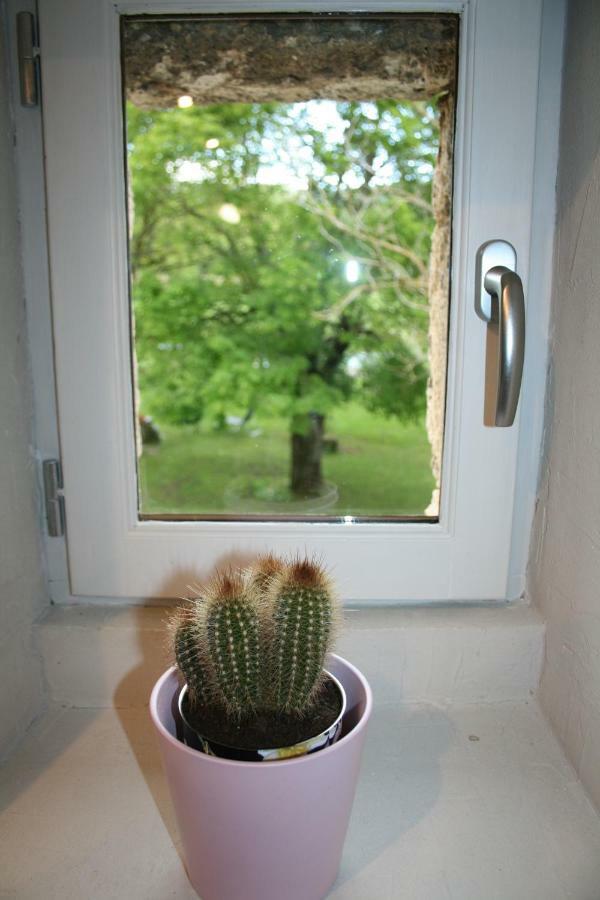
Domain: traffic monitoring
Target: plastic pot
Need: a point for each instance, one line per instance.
(310, 744)
(252, 831)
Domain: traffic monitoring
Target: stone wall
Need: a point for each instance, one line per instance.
(289, 59)
(439, 292)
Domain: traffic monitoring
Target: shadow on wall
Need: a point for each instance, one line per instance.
(395, 790)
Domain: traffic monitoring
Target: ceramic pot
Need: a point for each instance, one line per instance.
(263, 832)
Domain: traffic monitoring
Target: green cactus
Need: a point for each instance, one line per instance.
(256, 641)
(303, 616)
(233, 644)
(189, 659)
(260, 575)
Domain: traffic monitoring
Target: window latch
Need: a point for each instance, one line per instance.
(500, 303)
(54, 497)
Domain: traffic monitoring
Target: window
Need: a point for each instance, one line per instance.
(125, 542)
(288, 310)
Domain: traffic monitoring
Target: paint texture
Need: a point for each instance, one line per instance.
(564, 574)
(22, 591)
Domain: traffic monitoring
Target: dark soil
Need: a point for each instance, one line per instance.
(266, 730)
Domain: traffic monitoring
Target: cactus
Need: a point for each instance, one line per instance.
(260, 575)
(303, 616)
(233, 644)
(188, 656)
(256, 641)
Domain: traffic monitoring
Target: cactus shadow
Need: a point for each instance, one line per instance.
(399, 784)
(44, 743)
(131, 706)
(132, 694)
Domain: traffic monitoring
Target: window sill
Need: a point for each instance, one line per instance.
(104, 656)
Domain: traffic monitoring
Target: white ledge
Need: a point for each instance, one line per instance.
(99, 656)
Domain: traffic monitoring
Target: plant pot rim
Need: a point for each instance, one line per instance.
(302, 747)
(293, 761)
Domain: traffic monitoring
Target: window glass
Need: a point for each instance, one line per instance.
(289, 212)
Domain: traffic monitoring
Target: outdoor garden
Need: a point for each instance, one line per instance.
(279, 265)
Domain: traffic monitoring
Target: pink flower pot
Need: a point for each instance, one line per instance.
(263, 831)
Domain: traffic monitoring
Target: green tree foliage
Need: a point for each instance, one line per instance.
(241, 292)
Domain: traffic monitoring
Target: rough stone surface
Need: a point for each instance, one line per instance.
(439, 292)
(288, 60)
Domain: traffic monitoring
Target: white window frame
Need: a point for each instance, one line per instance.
(111, 553)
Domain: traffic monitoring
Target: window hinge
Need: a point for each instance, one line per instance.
(54, 497)
(28, 52)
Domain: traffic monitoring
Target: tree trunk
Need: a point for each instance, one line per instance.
(307, 450)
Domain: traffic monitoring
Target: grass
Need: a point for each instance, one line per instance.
(382, 468)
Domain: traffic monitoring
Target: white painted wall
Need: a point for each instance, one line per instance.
(22, 588)
(564, 577)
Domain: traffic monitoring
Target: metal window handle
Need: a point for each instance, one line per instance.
(500, 303)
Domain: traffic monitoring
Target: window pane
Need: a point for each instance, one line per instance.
(289, 204)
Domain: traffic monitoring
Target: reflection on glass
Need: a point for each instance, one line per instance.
(280, 257)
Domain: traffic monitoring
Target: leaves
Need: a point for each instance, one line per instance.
(244, 218)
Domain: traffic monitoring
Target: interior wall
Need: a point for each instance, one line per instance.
(22, 586)
(564, 576)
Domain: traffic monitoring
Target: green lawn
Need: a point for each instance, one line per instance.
(382, 468)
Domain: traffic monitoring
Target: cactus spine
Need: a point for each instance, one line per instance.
(303, 624)
(261, 574)
(188, 658)
(256, 641)
(233, 644)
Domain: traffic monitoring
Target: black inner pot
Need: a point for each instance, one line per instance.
(265, 730)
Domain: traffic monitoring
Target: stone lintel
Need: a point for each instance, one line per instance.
(287, 59)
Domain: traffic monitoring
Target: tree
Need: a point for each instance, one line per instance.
(243, 295)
